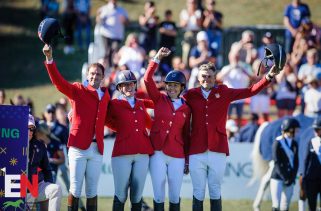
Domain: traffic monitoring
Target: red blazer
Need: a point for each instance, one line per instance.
(130, 125)
(170, 129)
(209, 115)
(89, 112)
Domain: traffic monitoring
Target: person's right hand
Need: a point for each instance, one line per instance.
(47, 51)
(162, 52)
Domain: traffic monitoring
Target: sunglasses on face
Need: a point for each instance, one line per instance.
(31, 129)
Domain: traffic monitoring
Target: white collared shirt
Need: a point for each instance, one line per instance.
(177, 103)
(100, 93)
(206, 93)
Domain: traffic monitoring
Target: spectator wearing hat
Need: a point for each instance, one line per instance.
(200, 54)
(54, 147)
(310, 180)
(89, 105)
(266, 40)
(294, 13)
(38, 163)
(59, 130)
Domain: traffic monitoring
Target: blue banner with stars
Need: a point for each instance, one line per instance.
(13, 154)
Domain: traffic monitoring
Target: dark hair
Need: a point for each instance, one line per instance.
(168, 12)
(208, 66)
(97, 65)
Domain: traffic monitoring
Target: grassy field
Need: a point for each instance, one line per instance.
(186, 205)
(21, 67)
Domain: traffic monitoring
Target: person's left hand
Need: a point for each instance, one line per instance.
(274, 71)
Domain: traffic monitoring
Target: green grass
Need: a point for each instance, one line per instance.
(105, 204)
(21, 59)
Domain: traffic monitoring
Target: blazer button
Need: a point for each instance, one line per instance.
(207, 123)
(135, 120)
(136, 130)
(206, 106)
(167, 131)
(174, 114)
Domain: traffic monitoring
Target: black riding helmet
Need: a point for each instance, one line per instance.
(49, 29)
(289, 124)
(317, 123)
(276, 54)
(176, 77)
(125, 76)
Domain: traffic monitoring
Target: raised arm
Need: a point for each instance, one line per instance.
(152, 90)
(56, 78)
(236, 94)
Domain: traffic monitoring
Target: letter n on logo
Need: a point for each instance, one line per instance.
(25, 184)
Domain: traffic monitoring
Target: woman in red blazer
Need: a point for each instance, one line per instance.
(209, 147)
(130, 158)
(169, 134)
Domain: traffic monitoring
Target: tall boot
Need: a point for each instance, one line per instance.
(158, 206)
(137, 206)
(72, 203)
(118, 205)
(91, 204)
(216, 204)
(174, 206)
(197, 204)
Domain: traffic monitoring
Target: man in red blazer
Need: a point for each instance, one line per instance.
(209, 147)
(89, 106)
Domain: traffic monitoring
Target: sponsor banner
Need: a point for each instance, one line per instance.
(13, 155)
(238, 174)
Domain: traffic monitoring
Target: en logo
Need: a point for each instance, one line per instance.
(11, 183)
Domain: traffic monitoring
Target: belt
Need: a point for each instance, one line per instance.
(95, 140)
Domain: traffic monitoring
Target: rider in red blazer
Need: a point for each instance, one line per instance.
(128, 117)
(209, 146)
(89, 105)
(169, 133)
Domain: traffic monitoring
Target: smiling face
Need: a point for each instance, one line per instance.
(173, 89)
(95, 76)
(206, 79)
(128, 89)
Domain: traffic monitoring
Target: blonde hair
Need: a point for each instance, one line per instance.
(207, 67)
(130, 36)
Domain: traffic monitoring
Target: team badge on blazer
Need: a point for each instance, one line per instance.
(217, 95)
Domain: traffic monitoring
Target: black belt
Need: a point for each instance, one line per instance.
(95, 140)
